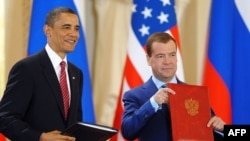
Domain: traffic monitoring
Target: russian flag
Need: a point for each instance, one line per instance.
(37, 41)
(227, 66)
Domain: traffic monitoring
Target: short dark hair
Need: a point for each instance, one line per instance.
(162, 37)
(54, 14)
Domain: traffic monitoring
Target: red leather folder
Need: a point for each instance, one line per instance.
(190, 112)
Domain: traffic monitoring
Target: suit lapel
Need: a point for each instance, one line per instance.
(150, 88)
(50, 75)
(73, 87)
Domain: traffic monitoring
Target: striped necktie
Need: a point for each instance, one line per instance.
(64, 89)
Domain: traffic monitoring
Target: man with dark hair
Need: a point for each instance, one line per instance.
(146, 114)
(43, 92)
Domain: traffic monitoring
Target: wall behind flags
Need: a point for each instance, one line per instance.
(192, 16)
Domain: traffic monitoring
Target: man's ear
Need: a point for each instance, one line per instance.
(148, 59)
(46, 30)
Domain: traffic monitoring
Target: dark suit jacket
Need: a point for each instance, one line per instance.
(32, 102)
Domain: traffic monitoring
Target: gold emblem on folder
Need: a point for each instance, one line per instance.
(192, 106)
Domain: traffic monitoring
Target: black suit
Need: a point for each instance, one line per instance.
(32, 102)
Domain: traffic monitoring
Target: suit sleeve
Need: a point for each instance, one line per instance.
(15, 103)
(135, 116)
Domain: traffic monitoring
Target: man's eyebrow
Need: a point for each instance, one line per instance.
(66, 25)
(171, 53)
(70, 25)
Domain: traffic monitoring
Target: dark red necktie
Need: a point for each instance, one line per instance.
(64, 89)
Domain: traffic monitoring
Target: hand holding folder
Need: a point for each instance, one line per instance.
(90, 132)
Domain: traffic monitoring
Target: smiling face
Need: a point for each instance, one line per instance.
(63, 35)
(163, 60)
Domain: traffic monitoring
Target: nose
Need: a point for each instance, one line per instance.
(73, 32)
(166, 60)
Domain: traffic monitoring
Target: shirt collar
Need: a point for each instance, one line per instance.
(55, 58)
(159, 83)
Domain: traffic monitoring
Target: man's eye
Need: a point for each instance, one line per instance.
(173, 54)
(66, 27)
(160, 56)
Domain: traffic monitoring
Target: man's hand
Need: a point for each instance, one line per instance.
(55, 136)
(161, 96)
(217, 123)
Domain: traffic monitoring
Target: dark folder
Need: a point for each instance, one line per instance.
(190, 112)
(83, 131)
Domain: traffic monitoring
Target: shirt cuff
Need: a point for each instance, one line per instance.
(154, 104)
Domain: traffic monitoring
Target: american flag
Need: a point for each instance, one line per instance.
(148, 16)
